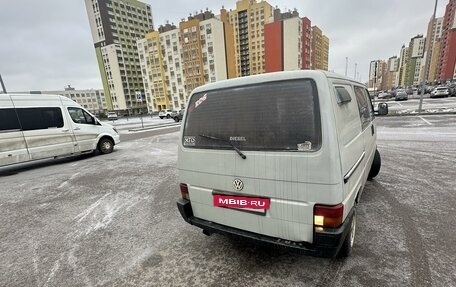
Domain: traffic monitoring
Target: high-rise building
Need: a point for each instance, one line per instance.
(319, 50)
(203, 49)
(403, 61)
(287, 42)
(378, 71)
(432, 49)
(415, 56)
(307, 43)
(159, 57)
(392, 69)
(448, 52)
(116, 25)
(174, 61)
(248, 20)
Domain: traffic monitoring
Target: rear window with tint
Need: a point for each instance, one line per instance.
(275, 116)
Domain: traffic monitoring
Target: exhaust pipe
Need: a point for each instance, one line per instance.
(207, 232)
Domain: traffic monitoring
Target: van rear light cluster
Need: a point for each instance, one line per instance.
(184, 191)
(328, 215)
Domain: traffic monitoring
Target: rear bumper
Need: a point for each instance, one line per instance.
(327, 241)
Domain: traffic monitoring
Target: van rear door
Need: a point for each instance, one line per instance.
(13, 148)
(277, 126)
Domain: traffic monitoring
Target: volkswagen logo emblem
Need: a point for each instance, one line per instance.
(238, 184)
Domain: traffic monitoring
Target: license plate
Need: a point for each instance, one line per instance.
(254, 204)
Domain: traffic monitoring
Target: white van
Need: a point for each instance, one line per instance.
(279, 157)
(34, 127)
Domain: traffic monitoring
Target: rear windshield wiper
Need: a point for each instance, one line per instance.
(227, 141)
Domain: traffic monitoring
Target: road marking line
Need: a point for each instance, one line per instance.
(399, 104)
(426, 121)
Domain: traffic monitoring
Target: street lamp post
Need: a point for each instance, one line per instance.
(3, 84)
(346, 66)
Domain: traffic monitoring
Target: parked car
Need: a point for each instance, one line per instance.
(401, 95)
(385, 95)
(452, 90)
(234, 159)
(440, 91)
(165, 114)
(35, 127)
(112, 116)
(177, 116)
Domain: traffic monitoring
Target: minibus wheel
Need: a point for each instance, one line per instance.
(105, 146)
(347, 246)
(376, 164)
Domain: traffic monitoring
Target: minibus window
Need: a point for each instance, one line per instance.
(40, 118)
(8, 120)
(80, 116)
(275, 116)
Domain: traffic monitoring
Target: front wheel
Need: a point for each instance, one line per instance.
(347, 246)
(376, 164)
(176, 119)
(168, 116)
(105, 146)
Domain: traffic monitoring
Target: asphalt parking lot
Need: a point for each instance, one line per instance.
(112, 221)
(448, 104)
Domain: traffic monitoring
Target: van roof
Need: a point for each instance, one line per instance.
(271, 77)
(40, 96)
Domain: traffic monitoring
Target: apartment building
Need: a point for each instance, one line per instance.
(391, 71)
(116, 25)
(92, 100)
(415, 56)
(403, 61)
(448, 48)
(432, 50)
(248, 21)
(287, 42)
(319, 50)
(174, 61)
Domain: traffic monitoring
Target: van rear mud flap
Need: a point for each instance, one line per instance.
(327, 241)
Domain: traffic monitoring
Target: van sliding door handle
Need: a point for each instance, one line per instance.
(65, 130)
(77, 129)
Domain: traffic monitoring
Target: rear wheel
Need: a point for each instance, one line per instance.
(161, 118)
(376, 164)
(168, 116)
(176, 119)
(347, 246)
(105, 146)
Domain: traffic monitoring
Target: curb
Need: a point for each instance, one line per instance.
(154, 127)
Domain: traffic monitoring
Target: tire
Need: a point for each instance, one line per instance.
(105, 146)
(347, 245)
(176, 119)
(168, 116)
(161, 118)
(376, 164)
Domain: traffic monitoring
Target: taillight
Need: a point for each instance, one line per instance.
(184, 191)
(328, 215)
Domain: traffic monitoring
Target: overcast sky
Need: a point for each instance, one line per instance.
(47, 44)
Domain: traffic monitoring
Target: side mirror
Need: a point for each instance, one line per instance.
(382, 109)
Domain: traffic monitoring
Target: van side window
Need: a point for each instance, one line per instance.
(364, 106)
(40, 118)
(80, 116)
(342, 95)
(8, 120)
